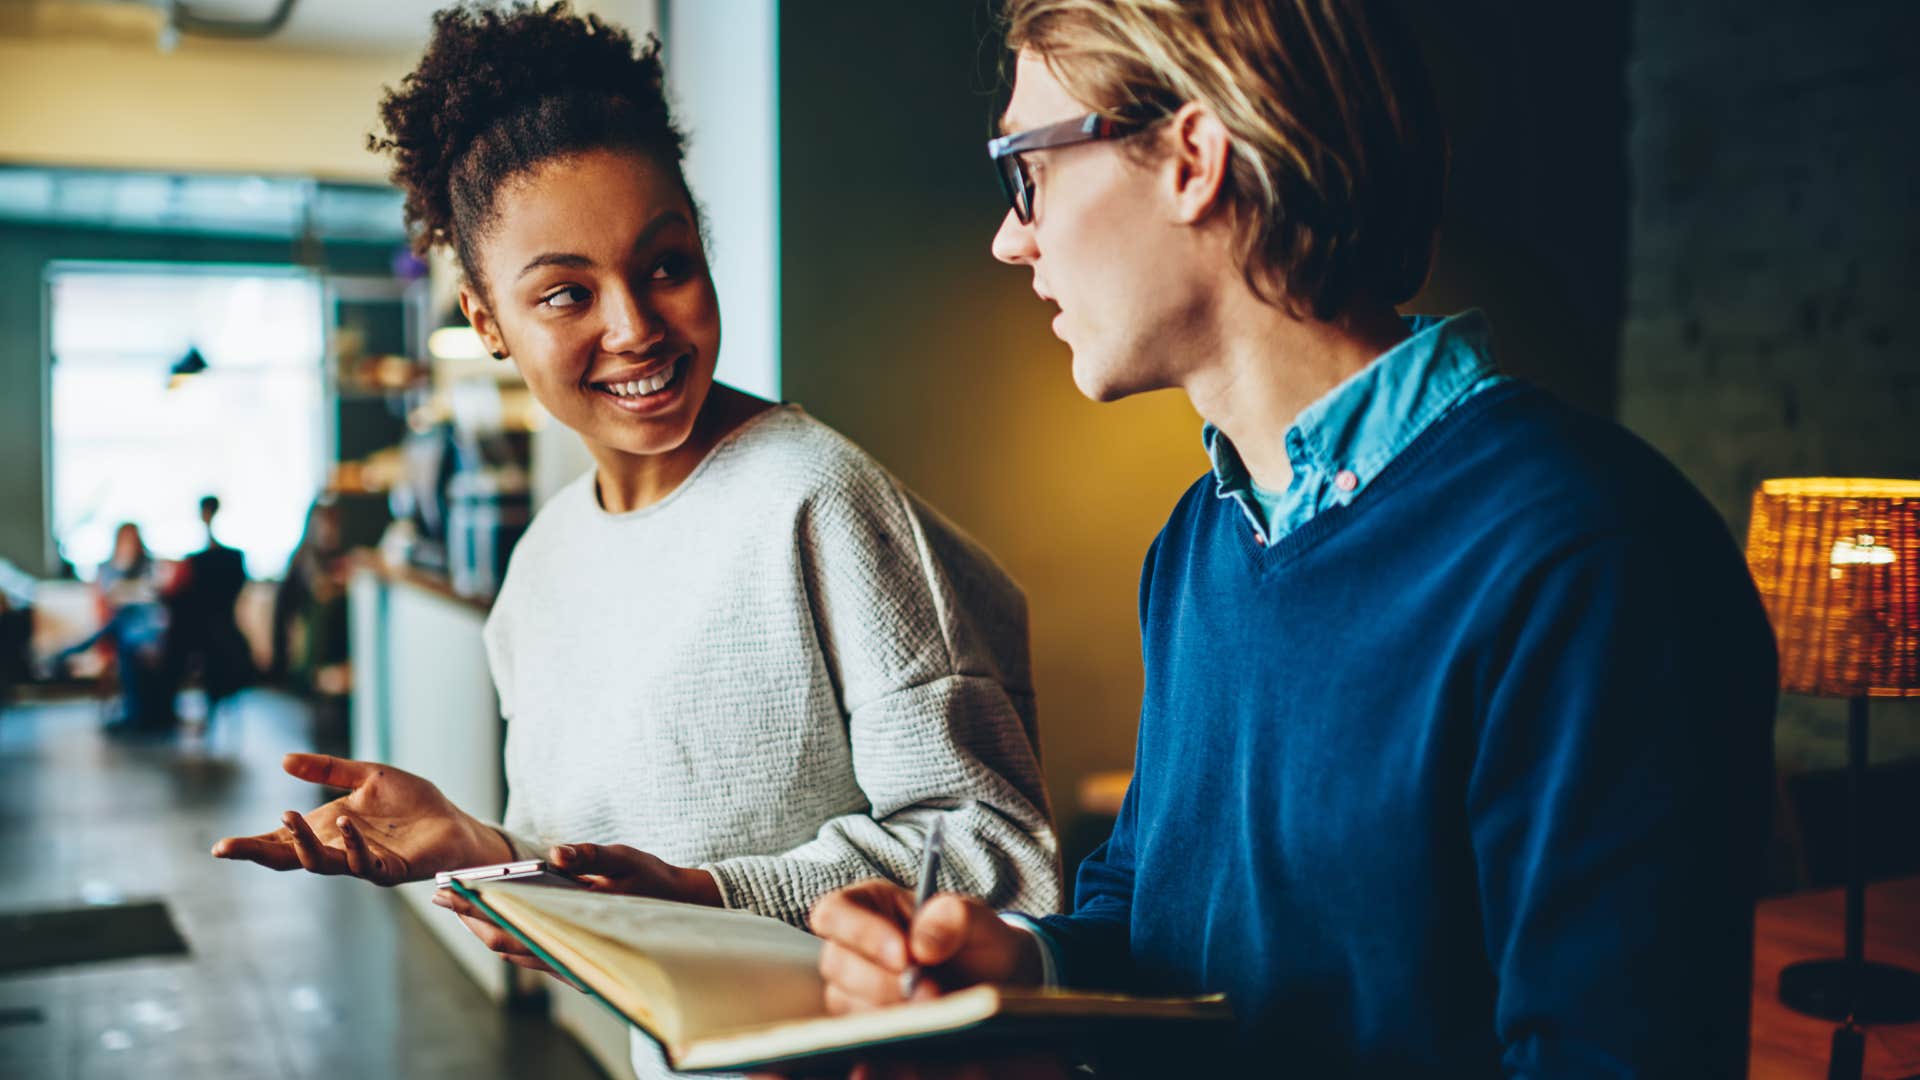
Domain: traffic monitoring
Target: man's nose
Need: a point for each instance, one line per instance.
(1014, 243)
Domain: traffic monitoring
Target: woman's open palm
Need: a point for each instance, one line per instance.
(390, 827)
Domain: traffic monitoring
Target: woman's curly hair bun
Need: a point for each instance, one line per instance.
(500, 90)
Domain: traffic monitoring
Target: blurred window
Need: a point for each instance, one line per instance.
(133, 442)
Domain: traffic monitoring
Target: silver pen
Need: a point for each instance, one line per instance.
(929, 878)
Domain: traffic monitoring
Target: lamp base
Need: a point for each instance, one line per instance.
(1825, 988)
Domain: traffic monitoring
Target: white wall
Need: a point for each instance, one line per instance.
(423, 702)
(722, 69)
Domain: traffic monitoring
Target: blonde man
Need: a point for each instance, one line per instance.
(1454, 753)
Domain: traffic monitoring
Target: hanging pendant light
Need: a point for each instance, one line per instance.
(185, 368)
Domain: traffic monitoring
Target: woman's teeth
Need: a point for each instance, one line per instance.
(641, 387)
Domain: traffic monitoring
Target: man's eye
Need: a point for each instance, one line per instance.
(564, 298)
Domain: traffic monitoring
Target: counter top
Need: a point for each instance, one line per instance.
(438, 584)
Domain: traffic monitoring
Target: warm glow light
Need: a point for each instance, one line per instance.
(456, 343)
(1828, 487)
(1861, 551)
(1837, 563)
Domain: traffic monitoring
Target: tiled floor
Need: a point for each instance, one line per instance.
(289, 975)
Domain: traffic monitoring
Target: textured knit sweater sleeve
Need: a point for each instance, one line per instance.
(939, 718)
(1601, 810)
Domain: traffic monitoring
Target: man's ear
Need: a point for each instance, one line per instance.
(482, 321)
(1199, 151)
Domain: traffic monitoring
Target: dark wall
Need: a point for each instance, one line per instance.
(25, 252)
(899, 329)
(1775, 252)
(1534, 99)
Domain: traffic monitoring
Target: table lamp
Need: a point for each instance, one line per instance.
(1837, 563)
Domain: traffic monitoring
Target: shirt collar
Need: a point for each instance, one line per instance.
(1361, 424)
(1229, 473)
(1230, 478)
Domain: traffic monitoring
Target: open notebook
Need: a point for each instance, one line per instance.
(727, 990)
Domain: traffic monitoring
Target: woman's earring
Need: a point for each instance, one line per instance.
(498, 355)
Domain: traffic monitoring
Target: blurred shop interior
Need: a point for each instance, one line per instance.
(1692, 221)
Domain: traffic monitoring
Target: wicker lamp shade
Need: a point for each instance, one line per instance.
(1837, 563)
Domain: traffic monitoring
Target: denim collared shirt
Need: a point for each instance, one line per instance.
(1340, 443)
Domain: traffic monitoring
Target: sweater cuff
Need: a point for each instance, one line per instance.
(1049, 967)
(769, 885)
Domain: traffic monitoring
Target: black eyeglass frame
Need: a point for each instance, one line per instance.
(1005, 151)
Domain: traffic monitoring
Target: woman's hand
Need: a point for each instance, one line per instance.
(390, 827)
(617, 868)
(490, 934)
(608, 868)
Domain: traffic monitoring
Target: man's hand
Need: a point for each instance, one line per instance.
(390, 827)
(873, 935)
(609, 868)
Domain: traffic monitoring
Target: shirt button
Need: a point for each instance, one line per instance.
(1345, 480)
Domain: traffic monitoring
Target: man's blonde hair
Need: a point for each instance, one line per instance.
(1338, 163)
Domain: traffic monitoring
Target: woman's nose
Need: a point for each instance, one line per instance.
(630, 326)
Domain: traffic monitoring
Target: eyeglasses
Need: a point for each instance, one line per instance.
(1005, 151)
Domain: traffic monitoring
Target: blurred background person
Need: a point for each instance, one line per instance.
(204, 641)
(133, 630)
(309, 606)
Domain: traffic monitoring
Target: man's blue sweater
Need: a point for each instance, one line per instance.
(1466, 778)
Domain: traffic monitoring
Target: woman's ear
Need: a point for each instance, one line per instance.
(1199, 149)
(482, 322)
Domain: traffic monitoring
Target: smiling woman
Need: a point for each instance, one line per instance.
(737, 642)
(598, 289)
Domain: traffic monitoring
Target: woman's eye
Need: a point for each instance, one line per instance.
(671, 268)
(565, 298)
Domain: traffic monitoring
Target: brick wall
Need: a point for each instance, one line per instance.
(1773, 263)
